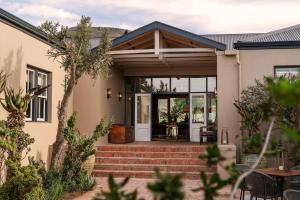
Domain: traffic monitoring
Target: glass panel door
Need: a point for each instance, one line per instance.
(197, 115)
(142, 117)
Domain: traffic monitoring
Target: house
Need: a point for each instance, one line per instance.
(166, 82)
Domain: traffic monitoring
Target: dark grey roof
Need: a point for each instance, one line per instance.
(230, 39)
(283, 38)
(21, 24)
(291, 33)
(170, 29)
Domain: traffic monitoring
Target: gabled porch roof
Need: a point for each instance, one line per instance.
(168, 29)
(159, 46)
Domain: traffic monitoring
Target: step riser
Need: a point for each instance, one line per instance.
(152, 149)
(147, 154)
(140, 175)
(140, 161)
(195, 169)
(149, 161)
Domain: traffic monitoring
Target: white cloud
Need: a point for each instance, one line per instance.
(200, 16)
(40, 13)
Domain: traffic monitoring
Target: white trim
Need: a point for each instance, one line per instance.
(30, 118)
(195, 127)
(163, 50)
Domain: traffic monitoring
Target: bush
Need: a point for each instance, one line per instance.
(25, 184)
(79, 149)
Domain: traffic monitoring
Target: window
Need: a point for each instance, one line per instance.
(37, 108)
(180, 84)
(198, 84)
(287, 71)
(161, 84)
(211, 84)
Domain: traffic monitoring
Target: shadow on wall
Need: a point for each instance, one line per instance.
(12, 65)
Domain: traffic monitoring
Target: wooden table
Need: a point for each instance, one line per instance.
(279, 175)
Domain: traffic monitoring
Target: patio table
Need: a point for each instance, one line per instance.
(279, 175)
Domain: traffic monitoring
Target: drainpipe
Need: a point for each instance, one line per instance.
(237, 56)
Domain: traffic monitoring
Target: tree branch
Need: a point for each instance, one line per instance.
(244, 175)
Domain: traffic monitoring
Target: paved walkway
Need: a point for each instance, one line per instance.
(141, 186)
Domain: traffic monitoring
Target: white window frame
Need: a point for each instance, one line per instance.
(30, 118)
(41, 96)
(289, 70)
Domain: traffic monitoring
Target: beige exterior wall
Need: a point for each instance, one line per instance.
(255, 65)
(227, 84)
(91, 103)
(17, 50)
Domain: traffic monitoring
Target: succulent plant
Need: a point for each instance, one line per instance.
(15, 101)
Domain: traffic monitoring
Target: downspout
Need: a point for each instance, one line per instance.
(237, 56)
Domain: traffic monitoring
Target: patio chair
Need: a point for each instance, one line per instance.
(291, 194)
(263, 186)
(209, 132)
(241, 169)
(294, 182)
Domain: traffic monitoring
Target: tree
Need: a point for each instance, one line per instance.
(74, 53)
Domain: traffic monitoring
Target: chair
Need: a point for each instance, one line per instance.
(263, 186)
(241, 169)
(291, 194)
(294, 182)
(209, 132)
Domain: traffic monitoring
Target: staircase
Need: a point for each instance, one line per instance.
(139, 161)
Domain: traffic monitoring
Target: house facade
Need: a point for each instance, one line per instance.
(157, 67)
(23, 55)
(166, 82)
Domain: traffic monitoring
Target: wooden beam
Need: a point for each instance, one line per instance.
(169, 50)
(156, 42)
(181, 55)
(135, 56)
(131, 51)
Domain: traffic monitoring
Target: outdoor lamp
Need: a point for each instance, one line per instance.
(224, 136)
(120, 96)
(108, 93)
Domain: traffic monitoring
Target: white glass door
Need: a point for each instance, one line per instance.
(197, 115)
(142, 117)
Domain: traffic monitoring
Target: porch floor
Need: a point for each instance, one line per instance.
(160, 143)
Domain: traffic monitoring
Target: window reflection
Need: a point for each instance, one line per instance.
(144, 85)
(211, 84)
(198, 84)
(180, 84)
(212, 108)
(198, 109)
(161, 84)
(143, 106)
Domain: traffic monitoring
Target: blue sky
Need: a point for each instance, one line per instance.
(198, 16)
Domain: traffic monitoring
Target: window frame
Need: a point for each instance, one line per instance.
(284, 66)
(30, 118)
(35, 102)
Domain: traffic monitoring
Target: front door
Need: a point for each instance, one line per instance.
(142, 117)
(197, 115)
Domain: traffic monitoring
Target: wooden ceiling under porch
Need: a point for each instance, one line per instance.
(164, 50)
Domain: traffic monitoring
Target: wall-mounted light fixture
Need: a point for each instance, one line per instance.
(108, 93)
(120, 96)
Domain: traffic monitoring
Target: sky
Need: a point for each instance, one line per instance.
(198, 16)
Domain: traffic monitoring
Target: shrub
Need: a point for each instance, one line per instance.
(79, 149)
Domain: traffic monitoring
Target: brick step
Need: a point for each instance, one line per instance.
(152, 148)
(133, 154)
(149, 161)
(141, 174)
(140, 167)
